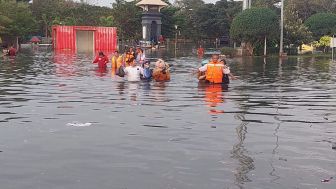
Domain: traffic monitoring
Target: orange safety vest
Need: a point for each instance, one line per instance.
(113, 62)
(119, 61)
(214, 72)
(128, 56)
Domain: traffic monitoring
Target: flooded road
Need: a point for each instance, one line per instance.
(65, 125)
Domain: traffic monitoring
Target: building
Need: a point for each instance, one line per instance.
(151, 19)
(84, 39)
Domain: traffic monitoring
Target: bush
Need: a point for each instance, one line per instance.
(228, 51)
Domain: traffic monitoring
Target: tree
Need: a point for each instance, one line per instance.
(225, 13)
(168, 21)
(265, 3)
(307, 8)
(4, 21)
(63, 12)
(189, 4)
(21, 22)
(128, 19)
(106, 21)
(296, 33)
(324, 42)
(252, 26)
(322, 24)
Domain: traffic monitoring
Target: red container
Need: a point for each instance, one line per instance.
(84, 38)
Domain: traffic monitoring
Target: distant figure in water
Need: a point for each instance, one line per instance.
(12, 51)
(117, 60)
(5, 50)
(147, 72)
(200, 51)
(140, 57)
(102, 60)
(129, 55)
(161, 71)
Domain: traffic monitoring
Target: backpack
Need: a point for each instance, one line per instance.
(121, 72)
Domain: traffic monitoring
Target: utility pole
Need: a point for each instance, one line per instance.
(176, 27)
(247, 4)
(281, 28)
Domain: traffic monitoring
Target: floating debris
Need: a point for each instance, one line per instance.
(282, 159)
(327, 180)
(78, 124)
(333, 145)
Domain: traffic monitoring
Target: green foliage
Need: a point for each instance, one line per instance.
(62, 12)
(306, 8)
(128, 19)
(253, 25)
(323, 42)
(198, 20)
(228, 51)
(322, 24)
(296, 33)
(168, 21)
(16, 19)
(67, 21)
(265, 3)
(107, 21)
(4, 21)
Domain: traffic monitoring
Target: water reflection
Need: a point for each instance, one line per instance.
(240, 153)
(213, 97)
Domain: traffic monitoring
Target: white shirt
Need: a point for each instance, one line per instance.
(133, 73)
(226, 70)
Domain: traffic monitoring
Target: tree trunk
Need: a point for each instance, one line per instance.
(46, 31)
(249, 48)
(17, 43)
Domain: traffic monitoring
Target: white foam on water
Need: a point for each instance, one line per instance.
(79, 124)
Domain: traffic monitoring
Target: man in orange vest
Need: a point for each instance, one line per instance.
(214, 70)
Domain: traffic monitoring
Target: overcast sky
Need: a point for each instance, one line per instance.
(108, 2)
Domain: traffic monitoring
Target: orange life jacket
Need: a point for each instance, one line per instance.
(214, 72)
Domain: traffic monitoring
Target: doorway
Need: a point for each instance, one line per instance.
(85, 41)
(153, 33)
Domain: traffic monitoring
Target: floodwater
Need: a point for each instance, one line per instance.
(64, 125)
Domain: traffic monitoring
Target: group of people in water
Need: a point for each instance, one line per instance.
(135, 67)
